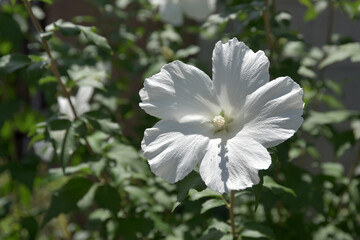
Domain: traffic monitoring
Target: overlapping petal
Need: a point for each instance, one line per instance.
(237, 72)
(173, 149)
(233, 164)
(273, 112)
(180, 92)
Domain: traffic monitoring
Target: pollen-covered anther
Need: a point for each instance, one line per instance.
(219, 121)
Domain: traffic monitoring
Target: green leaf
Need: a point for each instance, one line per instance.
(257, 189)
(108, 197)
(98, 166)
(335, 170)
(47, 1)
(276, 188)
(89, 33)
(102, 122)
(80, 168)
(129, 226)
(138, 195)
(192, 180)
(88, 76)
(63, 132)
(196, 195)
(67, 28)
(12, 62)
(65, 199)
(340, 53)
(47, 35)
(5, 205)
(211, 203)
(184, 53)
(256, 230)
(68, 146)
(47, 79)
(71, 29)
(320, 118)
(87, 200)
(212, 234)
(31, 225)
(310, 12)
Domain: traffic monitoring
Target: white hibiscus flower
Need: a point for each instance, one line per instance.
(80, 102)
(224, 125)
(171, 11)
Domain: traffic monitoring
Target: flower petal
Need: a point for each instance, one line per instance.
(237, 72)
(199, 9)
(174, 149)
(233, 164)
(273, 112)
(179, 92)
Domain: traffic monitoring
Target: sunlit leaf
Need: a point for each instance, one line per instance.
(276, 188)
(12, 62)
(211, 203)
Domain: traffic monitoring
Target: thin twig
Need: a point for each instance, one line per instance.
(53, 65)
(231, 211)
(266, 16)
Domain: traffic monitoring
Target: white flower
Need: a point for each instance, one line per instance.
(44, 150)
(80, 102)
(171, 11)
(224, 125)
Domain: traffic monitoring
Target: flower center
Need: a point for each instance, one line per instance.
(219, 121)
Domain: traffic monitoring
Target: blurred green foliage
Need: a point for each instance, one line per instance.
(98, 186)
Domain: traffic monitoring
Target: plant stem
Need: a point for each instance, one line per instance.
(53, 65)
(231, 211)
(266, 16)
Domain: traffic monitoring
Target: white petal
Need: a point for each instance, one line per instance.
(44, 150)
(273, 112)
(233, 164)
(170, 12)
(65, 108)
(198, 9)
(174, 149)
(237, 72)
(179, 92)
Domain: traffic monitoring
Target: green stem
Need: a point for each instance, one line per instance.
(53, 65)
(231, 211)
